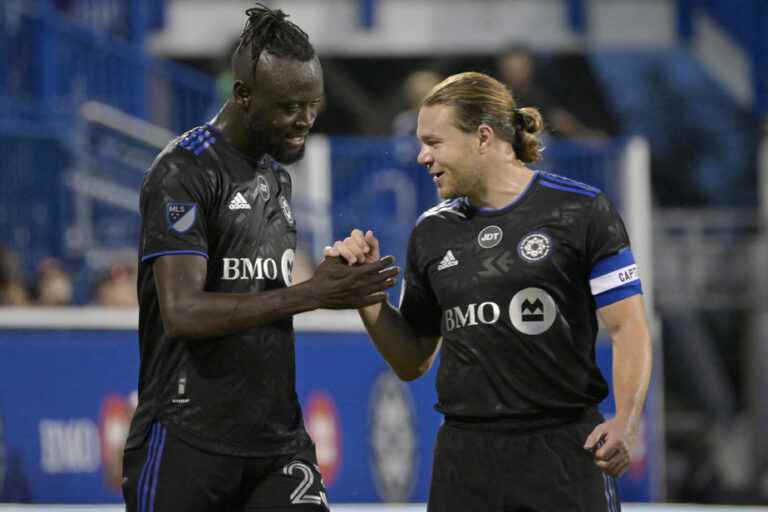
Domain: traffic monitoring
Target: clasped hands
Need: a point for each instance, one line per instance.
(353, 273)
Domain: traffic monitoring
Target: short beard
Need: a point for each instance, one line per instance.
(264, 145)
(469, 185)
(288, 158)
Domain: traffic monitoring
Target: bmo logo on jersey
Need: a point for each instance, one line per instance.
(233, 269)
(531, 311)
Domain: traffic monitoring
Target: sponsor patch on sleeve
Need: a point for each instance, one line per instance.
(615, 278)
(181, 216)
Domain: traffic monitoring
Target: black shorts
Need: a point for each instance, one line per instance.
(493, 471)
(165, 474)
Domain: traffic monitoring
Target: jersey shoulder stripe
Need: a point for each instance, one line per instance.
(564, 184)
(197, 140)
(568, 182)
(171, 157)
(565, 188)
(447, 207)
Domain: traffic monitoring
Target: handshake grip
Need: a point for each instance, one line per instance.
(337, 285)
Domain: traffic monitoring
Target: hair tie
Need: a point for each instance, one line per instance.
(517, 117)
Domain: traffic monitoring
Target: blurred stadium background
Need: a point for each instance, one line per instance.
(661, 103)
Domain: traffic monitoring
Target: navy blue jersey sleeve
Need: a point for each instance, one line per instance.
(175, 204)
(418, 303)
(613, 273)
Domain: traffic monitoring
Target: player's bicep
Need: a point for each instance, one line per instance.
(628, 313)
(178, 277)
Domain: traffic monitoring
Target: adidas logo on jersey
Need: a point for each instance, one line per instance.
(448, 261)
(239, 203)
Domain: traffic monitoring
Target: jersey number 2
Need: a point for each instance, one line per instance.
(299, 495)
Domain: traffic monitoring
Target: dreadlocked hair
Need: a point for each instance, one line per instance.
(269, 30)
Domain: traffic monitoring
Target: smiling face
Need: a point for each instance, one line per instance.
(282, 101)
(449, 154)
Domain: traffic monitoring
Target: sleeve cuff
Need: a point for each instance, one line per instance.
(154, 255)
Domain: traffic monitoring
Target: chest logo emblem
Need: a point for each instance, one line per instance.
(534, 247)
(448, 261)
(286, 266)
(532, 311)
(263, 188)
(286, 207)
(490, 237)
(239, 203)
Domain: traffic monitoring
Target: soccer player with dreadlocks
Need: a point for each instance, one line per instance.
(218, 424)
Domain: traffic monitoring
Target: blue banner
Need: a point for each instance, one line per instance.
(66, 398)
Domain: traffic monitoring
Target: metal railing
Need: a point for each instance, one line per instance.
(52, 62)
(708, 259)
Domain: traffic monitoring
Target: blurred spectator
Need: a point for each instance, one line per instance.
(517, 69)
(415, 87)
(12, 291)
(117, 288)
(54, 285)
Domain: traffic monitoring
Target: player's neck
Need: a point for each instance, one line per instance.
(503, 185)
(233, 128)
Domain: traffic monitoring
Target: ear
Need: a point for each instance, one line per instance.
(242, 94)
(485, 136)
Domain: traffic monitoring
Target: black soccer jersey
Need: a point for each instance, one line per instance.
(236, 394)
(513, 292)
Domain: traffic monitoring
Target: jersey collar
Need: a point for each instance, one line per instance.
(504, 209)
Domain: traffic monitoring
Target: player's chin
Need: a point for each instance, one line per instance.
(289, 154)
(447, 192)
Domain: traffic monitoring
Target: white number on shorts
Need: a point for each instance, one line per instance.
(299, 495)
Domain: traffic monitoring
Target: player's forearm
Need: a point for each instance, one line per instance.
(210, 315)
(396, 341)
(632, 361)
